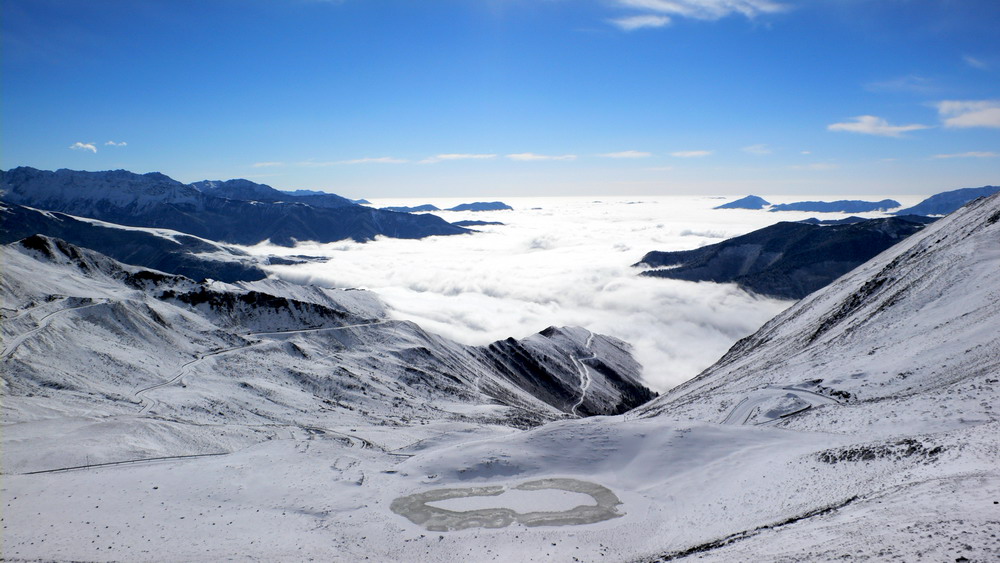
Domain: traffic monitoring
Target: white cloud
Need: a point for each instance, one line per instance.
(114, 144)
(78, 146)
(690, 154)
(805, 152)
(632, 23)
(974, 62)
(626, 154)
(706, 9)
(970, 113)
(530, 157)
(757, 150)
(267, 164)
(540, 270)
(972, 154)
(456, 156)
(871, 125)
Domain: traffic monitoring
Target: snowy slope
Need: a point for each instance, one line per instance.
(85, 334)
(913, 325)
(159, 249)
(890, 455)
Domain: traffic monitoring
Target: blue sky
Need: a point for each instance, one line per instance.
(380, 98)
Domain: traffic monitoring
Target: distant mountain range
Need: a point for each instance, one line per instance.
(413, 209)
(482, 206)
(474, 206)
(245, 190)
(241, 213)
(938, 204)
(748, 202)
(785, 260)
(840, 206)
(946, 202)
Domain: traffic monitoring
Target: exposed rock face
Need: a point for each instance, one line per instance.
(785, 260)
(155, 200)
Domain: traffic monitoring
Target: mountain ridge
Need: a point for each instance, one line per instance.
(155, 200)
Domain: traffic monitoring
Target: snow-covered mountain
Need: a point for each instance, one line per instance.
(160, 249)
(155, 200)
(860, 424)
(87, 333)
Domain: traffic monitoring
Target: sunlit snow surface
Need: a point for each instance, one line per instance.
(904, 468)
(564, 262)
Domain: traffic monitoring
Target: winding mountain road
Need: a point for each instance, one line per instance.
(584, 372)
(751, 404)
(43, 323)
(185, 368)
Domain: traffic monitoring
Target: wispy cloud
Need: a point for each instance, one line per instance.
(78, 146)
(972, 154)
(759, 150)
(970, 113)
(911, 83)
(690, 154)
(114, 144)
(815, 166)
(975, 63)
(632, 23)
(376, 160)
(530, 156)
(456, 156)
(267, 164)
(871, 125)
(626, 154)
(706, 9)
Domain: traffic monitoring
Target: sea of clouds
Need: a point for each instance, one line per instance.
(561, 261)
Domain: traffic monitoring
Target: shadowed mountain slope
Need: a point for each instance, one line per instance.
(785, 260)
